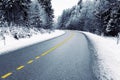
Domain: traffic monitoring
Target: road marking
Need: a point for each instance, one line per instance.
(20, 67)
(37, 57)
(30, 61)
(56, 46)
(6, 75)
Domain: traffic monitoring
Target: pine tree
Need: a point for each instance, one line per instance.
(70, 18)
(113, 25)
(46, 4)
(1, 14)
(15, 11)
(35, 15)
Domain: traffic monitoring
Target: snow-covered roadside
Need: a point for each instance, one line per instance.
(107, 53)
(13, 44)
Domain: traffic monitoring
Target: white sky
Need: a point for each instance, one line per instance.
(60, 5)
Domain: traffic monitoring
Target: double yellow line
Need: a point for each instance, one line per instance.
(37, 57)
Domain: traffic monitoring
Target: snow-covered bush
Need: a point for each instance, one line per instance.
(19, 32)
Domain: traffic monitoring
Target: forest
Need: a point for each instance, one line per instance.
(27, 13)
(23, 17)
(101, 17)
(82, 43)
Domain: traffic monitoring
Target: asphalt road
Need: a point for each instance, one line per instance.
(63, 58)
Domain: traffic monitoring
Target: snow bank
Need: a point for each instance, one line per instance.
(108, 57)
(13, 44)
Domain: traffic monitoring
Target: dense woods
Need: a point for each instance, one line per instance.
(27, 13)
(23, 18)
(98, 16)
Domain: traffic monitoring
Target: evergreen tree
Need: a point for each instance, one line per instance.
(110, 17)
(46, 4)
(1, 14)
(70, 18)
(35, 15)
(15, 11)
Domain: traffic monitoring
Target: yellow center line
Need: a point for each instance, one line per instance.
(20, 67)
(6, 75)
(30, 61)
(56, 46)
(37, 57)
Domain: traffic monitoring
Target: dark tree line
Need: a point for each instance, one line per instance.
(98, 16)
(110, 18)
(15, 11)
(27, 13)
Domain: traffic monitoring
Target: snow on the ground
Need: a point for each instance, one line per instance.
(13, 44)
(108, 57)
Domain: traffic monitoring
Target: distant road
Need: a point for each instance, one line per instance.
(63, 58)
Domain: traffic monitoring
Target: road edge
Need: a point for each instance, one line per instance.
(11, 50)
(94, 60)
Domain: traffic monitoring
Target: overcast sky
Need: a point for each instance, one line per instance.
(60, 5)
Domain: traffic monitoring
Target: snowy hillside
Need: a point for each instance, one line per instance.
(107, 52)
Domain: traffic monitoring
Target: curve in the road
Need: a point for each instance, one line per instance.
(43, 54)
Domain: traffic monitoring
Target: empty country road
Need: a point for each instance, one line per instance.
(66, 57)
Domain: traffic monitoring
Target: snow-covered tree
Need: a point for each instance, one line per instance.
(1, 14)
(34, 16)
(64, 18)
(46, 4)
(98, 16)
(15, 11)
(70, 18)
(109, 17)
